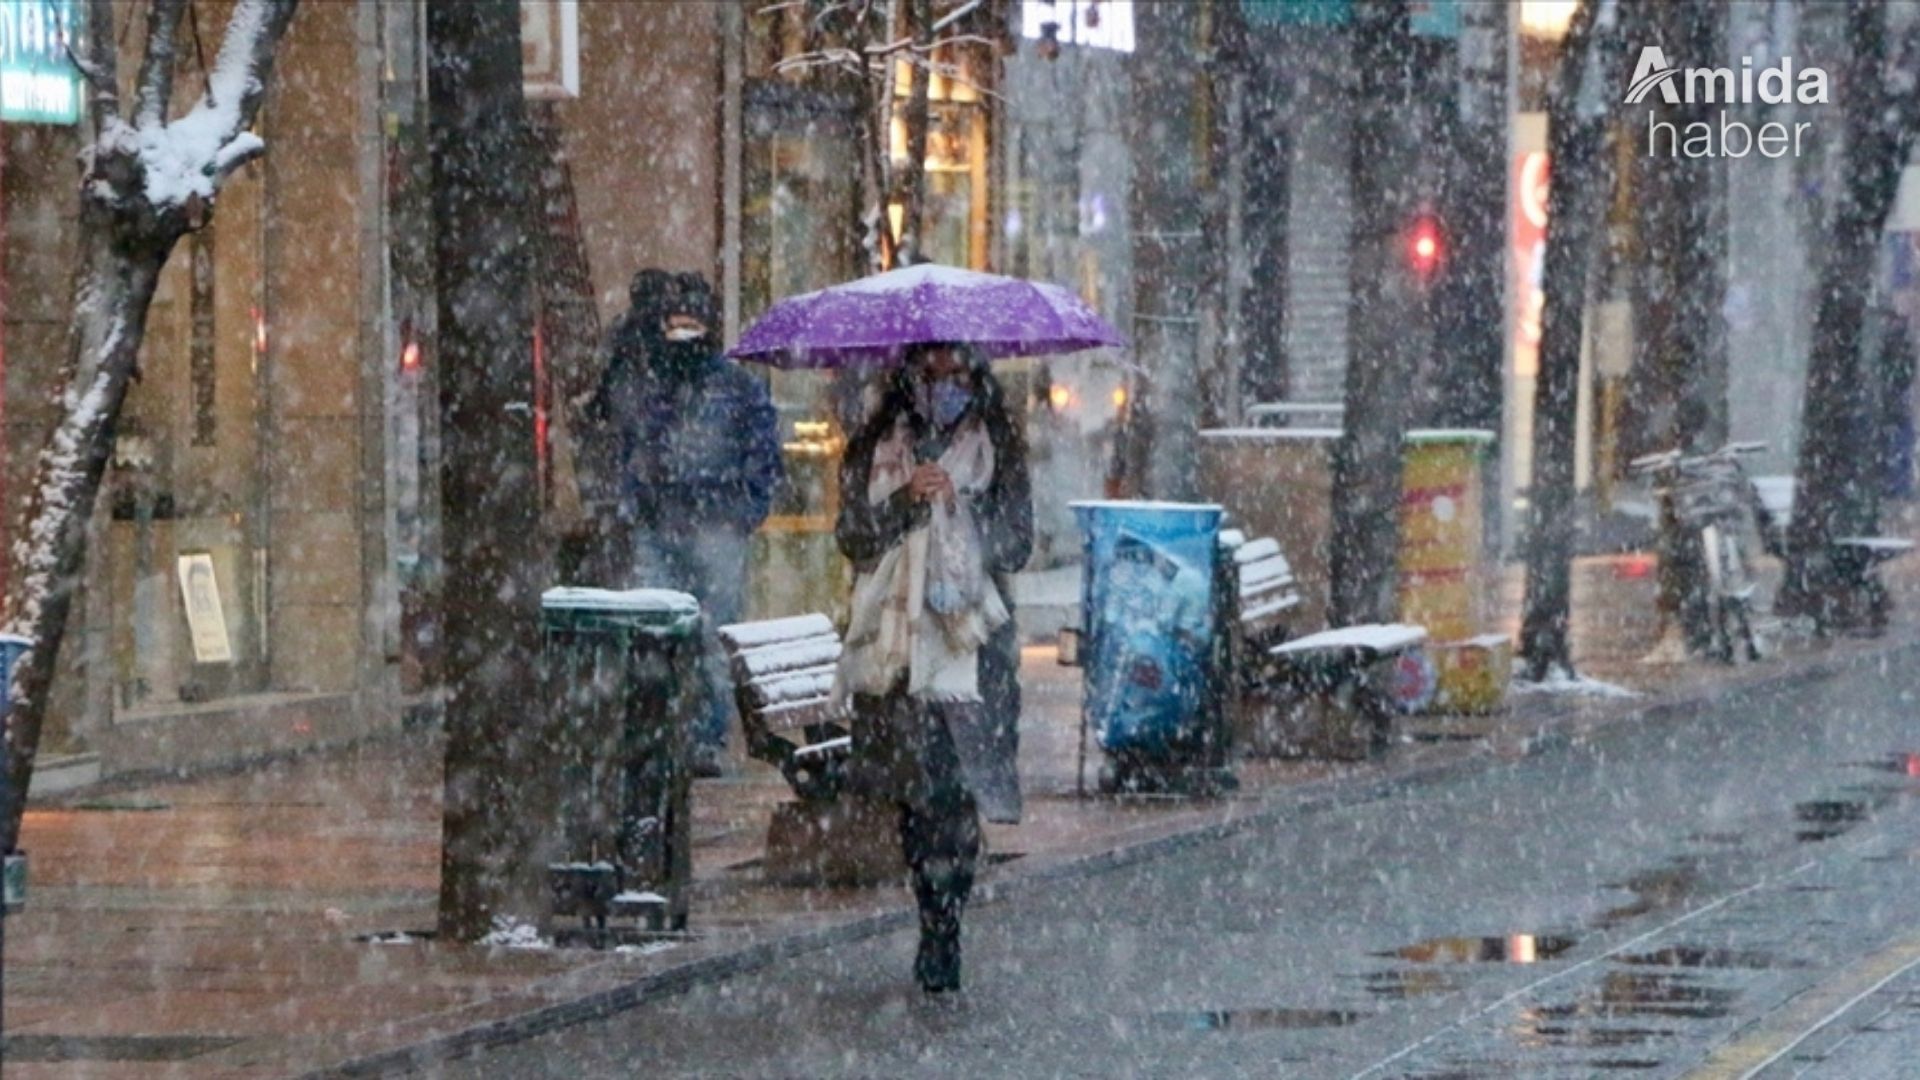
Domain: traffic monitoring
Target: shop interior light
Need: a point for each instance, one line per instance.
(1059, 397)
(1119, 397)
(1547, 18)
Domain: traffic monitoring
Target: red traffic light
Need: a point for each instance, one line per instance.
(1426, 248)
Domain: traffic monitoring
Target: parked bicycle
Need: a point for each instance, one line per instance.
(1708, 508)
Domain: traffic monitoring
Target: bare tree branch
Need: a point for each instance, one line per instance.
(245, 64)
(954, 16)
(102, 67)
(153, 91)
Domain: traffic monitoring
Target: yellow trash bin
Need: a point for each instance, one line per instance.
(1445, 575)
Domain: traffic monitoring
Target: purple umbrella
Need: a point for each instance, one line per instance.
(871, 322)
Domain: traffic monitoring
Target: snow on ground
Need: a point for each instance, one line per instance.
(1563, 682)
(511, 933)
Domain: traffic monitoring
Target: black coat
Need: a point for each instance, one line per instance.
(901, 746)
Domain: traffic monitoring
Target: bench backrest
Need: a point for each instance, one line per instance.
(782, 670)
(1267, 589)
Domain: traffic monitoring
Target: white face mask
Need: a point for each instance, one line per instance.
(685, 333)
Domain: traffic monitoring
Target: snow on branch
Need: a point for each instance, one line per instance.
(191, 157)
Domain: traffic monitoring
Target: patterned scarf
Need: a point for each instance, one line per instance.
(928, 605)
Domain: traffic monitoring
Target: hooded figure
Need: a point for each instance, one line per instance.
(687, 459)
(936, 511)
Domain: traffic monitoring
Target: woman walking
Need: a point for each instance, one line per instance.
(936, 510)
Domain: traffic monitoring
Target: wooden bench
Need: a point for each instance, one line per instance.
(783, 680)
(1863, 600)
(1856, 565)
(782, 677)
(1328, 686)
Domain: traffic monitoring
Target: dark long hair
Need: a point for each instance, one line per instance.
(989, 404)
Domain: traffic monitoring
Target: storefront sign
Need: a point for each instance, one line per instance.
(1530, 177)
(1434, 18)
(38, 81)
(1298, 12)
(206, 619)
(550, 48)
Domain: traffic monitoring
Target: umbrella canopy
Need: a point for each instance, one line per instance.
(872, 322)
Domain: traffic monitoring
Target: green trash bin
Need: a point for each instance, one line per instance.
(622, 690)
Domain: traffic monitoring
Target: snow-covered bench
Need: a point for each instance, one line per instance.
(1856, 559)
(1336, 669)
(1266, 596)
(783, 679)
(782, 676)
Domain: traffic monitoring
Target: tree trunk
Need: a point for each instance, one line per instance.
(916, 119)
(1576, 139)
(1832, 476)
(1682, 285)
(115, 289)
(1468, 307)
(1383, 304)
(482, 189)
(876, 164)
(1156, 453)
(126, 233)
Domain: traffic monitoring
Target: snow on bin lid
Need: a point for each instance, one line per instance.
(1143, 504)
(652, 601)
(1317, 434)
(1433, 435)
(16, 641)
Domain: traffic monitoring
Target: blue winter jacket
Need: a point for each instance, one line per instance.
(700, 453)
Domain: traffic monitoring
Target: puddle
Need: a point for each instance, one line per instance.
(1828, 818)
(1636, 994)
(1594, 1037)
(1729, 838)
(1832, 811)
(1512, 949)
(1695, 956)
(1900, 763)
(1624, 1063)
(1408, 983)
(1653, 890)
(1258, 1019)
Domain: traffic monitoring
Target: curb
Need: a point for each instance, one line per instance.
(1561, 730)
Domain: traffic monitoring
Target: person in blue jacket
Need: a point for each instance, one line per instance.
(690, 458)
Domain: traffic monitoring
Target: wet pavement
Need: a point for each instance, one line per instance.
(1652, 896)
(265, 922)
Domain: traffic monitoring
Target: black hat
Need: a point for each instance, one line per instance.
(691, 295)
(651, 291)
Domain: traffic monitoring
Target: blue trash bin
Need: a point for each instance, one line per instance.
(1148, 618)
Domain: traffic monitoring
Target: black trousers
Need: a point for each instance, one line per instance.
(904, 752)
(940, 834)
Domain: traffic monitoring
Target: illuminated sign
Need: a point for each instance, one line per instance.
(1530, 178)
(38, 82)
(1101, 24)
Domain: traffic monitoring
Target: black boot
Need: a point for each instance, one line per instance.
(936, 967)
